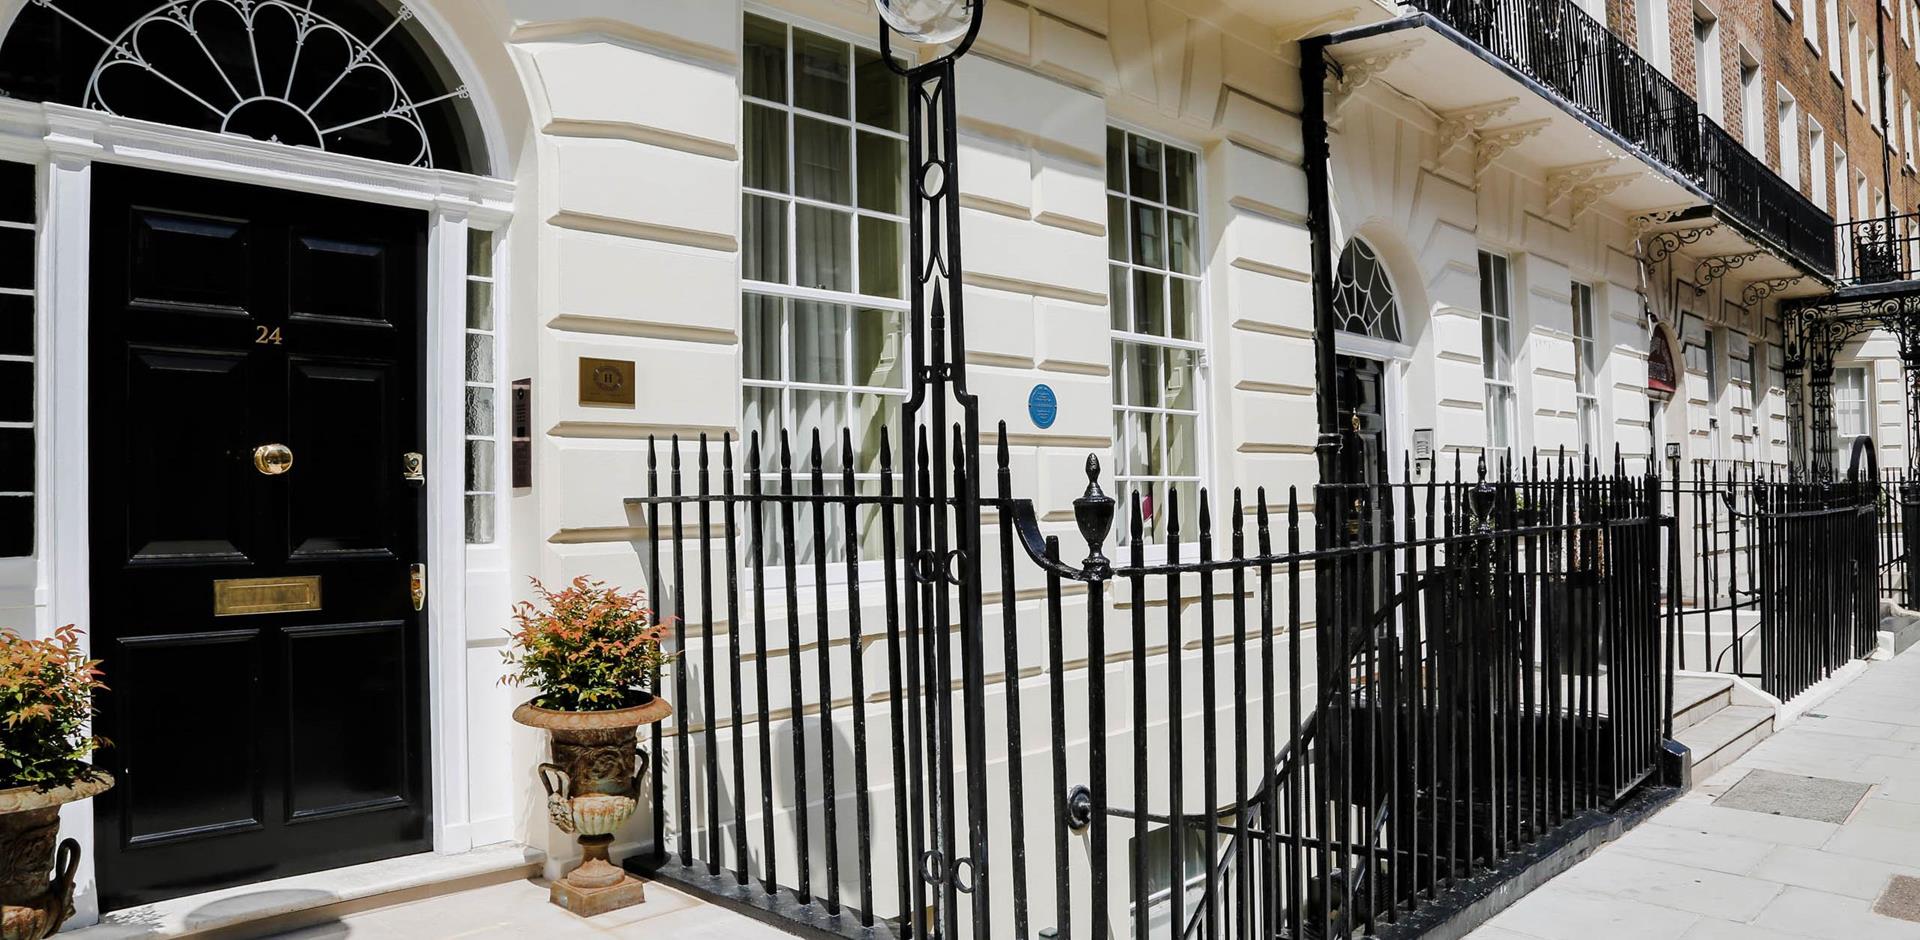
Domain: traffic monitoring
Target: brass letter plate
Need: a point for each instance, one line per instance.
(235, 597)
(606, 381)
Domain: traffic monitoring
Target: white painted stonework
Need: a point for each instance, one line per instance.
(615, 132)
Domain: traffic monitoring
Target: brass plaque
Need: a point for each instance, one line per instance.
(606, 382)
(236, 597)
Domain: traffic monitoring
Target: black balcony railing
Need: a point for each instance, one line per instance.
(1579, 60)
(1744, 187)
(1880, 249)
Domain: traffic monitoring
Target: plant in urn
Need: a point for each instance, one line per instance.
(46, 701)
(593, 652)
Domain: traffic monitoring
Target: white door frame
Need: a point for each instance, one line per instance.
(1394, 359)
(66, 142)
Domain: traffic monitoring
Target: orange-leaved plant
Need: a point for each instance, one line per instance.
(587, 648)
(46, 696)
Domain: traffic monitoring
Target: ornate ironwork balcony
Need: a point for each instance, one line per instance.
(1880, 250)
(1575, 57)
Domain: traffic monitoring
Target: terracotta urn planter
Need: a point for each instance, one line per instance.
(593, 786)
(31, 907)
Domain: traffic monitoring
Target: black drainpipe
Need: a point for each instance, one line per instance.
(1313, 121)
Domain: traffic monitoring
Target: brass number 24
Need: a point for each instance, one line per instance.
(264, 336)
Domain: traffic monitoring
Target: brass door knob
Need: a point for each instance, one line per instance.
(273, 459)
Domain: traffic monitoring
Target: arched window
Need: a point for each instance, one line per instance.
(1362, 296)
(359, 77)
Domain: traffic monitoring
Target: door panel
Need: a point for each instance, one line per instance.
(338, 503)
(267, 709)
(346, 688)
(182, 788)
(185, 411)
(334, 277)
(173, 251)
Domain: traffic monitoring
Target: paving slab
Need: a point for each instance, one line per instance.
(1801, 838)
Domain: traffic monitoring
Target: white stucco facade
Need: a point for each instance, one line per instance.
(616, 142)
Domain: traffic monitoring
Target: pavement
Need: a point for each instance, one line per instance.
(1815, 833)
(519, 910)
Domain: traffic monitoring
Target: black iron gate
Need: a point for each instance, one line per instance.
(1231, 734)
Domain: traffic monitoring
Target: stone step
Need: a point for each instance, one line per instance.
(1720, 738)
(1696, 698)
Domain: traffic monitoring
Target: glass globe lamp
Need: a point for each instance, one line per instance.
(932, 22)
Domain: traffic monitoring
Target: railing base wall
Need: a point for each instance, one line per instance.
(1470, 904)
(779, 909)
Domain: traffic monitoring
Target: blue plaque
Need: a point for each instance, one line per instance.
(1042, 406)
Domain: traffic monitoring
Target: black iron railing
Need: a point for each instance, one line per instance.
(1239, 735)
(1880, 249)
(1579, 60)
(1747, 189)
(1781, 581)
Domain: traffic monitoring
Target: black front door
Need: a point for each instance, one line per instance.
(256, 385)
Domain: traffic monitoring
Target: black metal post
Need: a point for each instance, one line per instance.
(941, 472)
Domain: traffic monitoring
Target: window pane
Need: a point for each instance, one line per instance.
(765, 54)
(1181, 369)
(819, 73)
(1182, 254)
(479, 520)
(1117, 240)
(479, 466)
(821, 167)
(1148, 223)
(1116, 160)
(825, 240)
(1143, 457)
(879, 348)
(872, 414)
(1182, 187)
(479, 357)
(1183, 452)
(479, 305)
(1143, 173)
(878, 100)
(762, 418)
(765, 132)
(763, 239)
(760, 336)
(882, 245)
(1185, 308)
(882, 173)
(825, 412)
(1143, 374)
(480, 410)
(1117, 302)
(479, 252)
(1149, 303)
(817, 338)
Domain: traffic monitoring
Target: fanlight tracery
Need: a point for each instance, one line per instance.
(277, 70)
(1363, 300)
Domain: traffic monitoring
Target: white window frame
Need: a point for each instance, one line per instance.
(1817, 154)
(1810, 24)
(1787, 131)
(799, 437)
(1706, 64)
(1654, 45)
(492, 434)
(1753, 104)
(1842, 438)
(1854, 60)
(1501, 393)
(1586, 367)
(1123, 478)
(1833, 39)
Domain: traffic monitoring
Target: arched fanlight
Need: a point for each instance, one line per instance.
(357, 77)
(1363, 299)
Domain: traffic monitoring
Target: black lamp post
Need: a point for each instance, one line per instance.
(940, 467)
